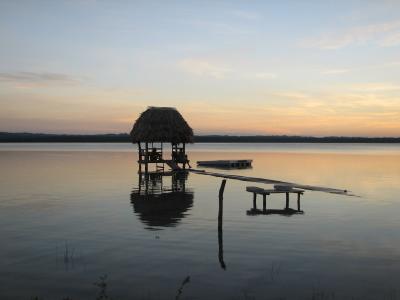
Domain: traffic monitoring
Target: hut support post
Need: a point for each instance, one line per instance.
(287, 201)
(173, 154)
(162, 159)
(184, 153)
(140, 157)
(146, 166)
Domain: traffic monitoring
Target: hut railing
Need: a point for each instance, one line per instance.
(151, 154)
(179, 153)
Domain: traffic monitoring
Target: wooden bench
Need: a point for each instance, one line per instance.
(264, 192)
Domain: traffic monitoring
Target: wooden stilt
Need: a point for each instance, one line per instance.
(146, 166)
(140, 157)
(146, 182)
(162, 154)
(287, 201)
(184, 153)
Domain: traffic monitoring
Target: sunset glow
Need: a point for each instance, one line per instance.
(230, 67)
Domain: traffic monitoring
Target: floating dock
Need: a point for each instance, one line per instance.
(232, 163)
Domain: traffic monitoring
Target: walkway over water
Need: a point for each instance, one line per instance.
(272, 181)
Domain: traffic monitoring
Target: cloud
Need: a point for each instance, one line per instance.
(263, 75)
(335, 71)
(219, 28)
(25, 79)
(246, 15)
(389, 64)
(375, 87)
(292, 95)
(323, 113)
(205, 68)
(391, 40)
(201, 67)
(379, 32)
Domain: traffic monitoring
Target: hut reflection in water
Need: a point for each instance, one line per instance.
(162, 199)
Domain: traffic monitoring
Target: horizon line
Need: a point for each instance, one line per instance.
(209, 135)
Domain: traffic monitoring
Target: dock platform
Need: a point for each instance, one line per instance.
(232, 163)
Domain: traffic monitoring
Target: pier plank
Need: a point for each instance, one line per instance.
(272, 181)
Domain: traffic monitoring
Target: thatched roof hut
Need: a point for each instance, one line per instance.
(161, 124)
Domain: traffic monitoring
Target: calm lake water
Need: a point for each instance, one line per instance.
(71, 213)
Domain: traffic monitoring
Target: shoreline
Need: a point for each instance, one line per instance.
(7, 137)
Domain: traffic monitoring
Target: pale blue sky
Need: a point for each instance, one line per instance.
(269, 67)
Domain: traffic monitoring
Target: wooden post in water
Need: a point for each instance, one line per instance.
(220, 215)
(287, 201)
(221, 199)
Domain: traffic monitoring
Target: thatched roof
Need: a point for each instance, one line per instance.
(161, 124)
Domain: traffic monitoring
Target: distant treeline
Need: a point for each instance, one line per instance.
(24, 137)
(7, 137)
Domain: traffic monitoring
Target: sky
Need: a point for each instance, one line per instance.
(318, 68)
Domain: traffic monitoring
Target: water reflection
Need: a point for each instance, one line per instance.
(161, 199)
(284, 212)
(330, 249)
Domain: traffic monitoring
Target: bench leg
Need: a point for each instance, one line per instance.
(298, 202)
(264, 203)
(254, 201)
(287, 201)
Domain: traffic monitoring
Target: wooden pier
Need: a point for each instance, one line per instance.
(272, 181)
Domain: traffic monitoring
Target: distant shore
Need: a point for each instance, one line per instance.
(23, 137)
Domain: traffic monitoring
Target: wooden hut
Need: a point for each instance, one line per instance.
(155, 127)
